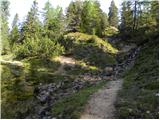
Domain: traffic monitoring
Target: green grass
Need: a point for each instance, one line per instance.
(91, 39)
(92, 50)
(138, 98)
(72, 106)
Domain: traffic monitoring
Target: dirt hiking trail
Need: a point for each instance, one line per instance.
(101, 103)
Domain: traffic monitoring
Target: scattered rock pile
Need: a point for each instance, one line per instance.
(46, 95)
(128, 62)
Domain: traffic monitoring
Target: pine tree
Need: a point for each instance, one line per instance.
(126, 17)
(73, 15)
(53, 21)
(101, 19)
(31, 28)
(4, 9)
(104, 21)
(92, 21)
(113, 15)
(14, 34)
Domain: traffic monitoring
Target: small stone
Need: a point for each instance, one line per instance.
(157, 94)
(148, 111)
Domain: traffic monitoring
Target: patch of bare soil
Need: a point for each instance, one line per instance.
(64, 61)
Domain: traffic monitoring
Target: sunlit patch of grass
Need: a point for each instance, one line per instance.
(81, 37)
(84, 65)
(41, 64)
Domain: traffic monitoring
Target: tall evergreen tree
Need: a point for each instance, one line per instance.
(73, 15)
(31, 27)
(104, 21)
(4, 9)
(53, 21)
(113, 15)
(92, 18)
(14, 34)
(101, 19)
(126, 17)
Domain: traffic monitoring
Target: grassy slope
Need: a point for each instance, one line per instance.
(138, 98)
(81, 37)
(91, 49)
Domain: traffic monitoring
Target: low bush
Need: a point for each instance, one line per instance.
(38, 47)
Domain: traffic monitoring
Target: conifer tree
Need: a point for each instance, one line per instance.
(4, 9)
(113, 15)
(126, 17)
(53, 21)
(31, 27)
(73, 15)
(92, 21)
(14, 34)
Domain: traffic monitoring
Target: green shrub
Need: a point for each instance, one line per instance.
(110, 31)
(38, 47)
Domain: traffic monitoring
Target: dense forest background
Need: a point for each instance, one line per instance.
(137, 18)
(89, 35)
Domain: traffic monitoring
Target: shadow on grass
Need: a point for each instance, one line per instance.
(92, 55)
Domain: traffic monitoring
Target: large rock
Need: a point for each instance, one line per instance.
(108, 71)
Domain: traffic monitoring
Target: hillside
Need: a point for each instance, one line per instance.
(74, 77)
(90, 49)
(139, 95)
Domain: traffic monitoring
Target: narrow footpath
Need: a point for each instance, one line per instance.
(101, 103)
